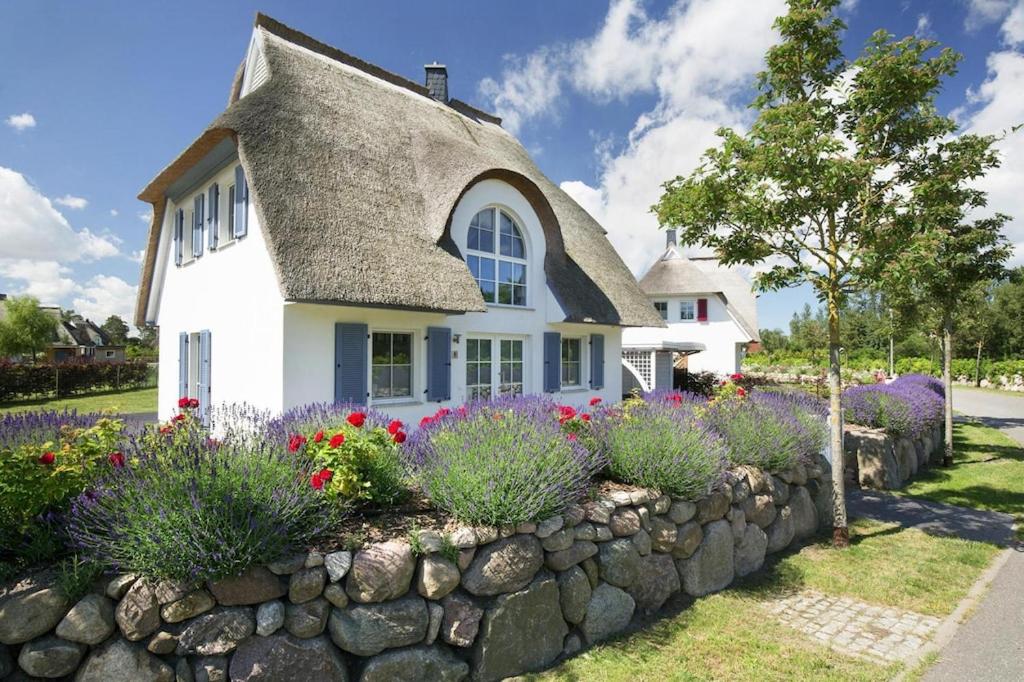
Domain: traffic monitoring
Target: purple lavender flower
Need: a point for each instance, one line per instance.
(903, 408)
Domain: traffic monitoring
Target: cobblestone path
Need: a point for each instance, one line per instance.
(855, 627)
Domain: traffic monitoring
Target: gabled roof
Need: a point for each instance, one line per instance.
(676, 275)
(355, 173)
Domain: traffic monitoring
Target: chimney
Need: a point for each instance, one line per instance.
(437, 81)
(670, 238)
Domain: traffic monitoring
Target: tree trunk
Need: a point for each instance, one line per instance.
(840, 531)
(977, 366)
(892, 349)
(947, 385)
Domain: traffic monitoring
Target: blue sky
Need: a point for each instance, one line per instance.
(612, 99)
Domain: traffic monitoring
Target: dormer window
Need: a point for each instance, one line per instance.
(496, 255)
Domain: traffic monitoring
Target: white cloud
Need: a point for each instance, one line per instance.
(924, 26)
(21, 122)
(114, 213)
(137, 256)
(694, 59)
(145, 216)
(981, 13)
(70, 201)
(106, 295)
(44, 279)
(1013, 27)
(31, 228)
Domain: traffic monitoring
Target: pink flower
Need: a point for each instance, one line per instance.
(46, 458)
(357, 419)
(395, 426)
(336, 440)
(116, 459)
(572, 437)
(595, 401)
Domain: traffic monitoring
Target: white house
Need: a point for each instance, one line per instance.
(340, 233)
(711, 316)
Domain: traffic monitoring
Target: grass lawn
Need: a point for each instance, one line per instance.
(724, 636)
(987, 473)
(124, 402)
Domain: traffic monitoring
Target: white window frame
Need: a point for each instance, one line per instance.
(496, 362)
(490, 370)
(495, 255)
(663, 309)
(692, 303)
(582, 384)
(412, 334)
(108, 353)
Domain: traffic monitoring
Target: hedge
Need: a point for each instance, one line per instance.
(68, 378)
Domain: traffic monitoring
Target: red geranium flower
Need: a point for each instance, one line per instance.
(443, 412)
(740, 392)
(585, 417)
(399, 437)
(565, 413)
(316, 482)
(595, 401)
(46, 458)
(319, 436)
(182, 402)
(165, 429)
(325, 475)
(296, 442)
(426, 421)
(193, 403)
(571, 436)
(178, 417)
(336, 440)
(357, 419)
(394, 427)
(116, 459)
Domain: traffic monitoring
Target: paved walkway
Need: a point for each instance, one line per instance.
(934, 518)
(854, 627)
(1004, 412)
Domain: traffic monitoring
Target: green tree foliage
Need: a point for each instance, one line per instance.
(773, 340)
(116, 329)
(821, 184)
(26, 329)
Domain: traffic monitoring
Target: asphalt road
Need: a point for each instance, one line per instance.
(990, 645)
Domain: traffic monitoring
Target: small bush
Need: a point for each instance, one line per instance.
(661, 443)
(923, 381)
(355, 453)
(905, 408)
(767, 430)
(187, 507)
(502, 461)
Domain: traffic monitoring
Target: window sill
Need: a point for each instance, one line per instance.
(509, 306)
(395, 402)
(574, 389)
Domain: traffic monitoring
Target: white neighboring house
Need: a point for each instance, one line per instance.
(711, 313)
(340, 233)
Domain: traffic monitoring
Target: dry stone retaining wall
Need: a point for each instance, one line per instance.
(874, 459)
(517, 599)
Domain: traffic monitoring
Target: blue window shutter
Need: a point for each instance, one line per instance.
(182, 364)
(552, 362)
(350, 358)
(439, 364)
(197, 225)
(179, 235)
(213, 209)
(203, 389)
(241, 203)
(597, 361)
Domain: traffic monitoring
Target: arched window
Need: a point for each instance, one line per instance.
(496, 255)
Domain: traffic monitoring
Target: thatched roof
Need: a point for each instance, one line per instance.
(676, 275)
(355, 174)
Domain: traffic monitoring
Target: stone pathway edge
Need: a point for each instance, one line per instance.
(947, 629)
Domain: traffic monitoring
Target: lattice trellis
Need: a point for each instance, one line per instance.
(641, 363)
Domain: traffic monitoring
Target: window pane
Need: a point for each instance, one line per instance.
(401, 380)
(505, 294)
(518, 295)
(485, 219)
(519, 273)
(486, 241)
(401, 349)
(517, 372)
(474, 266)
(517, 350)
(518, 248)
(487, 268)
(506, 244)
(381, 386)
(506, 350)
(485, 350)
(381, 349)
(474, 238)
(472, 349)
(505, 375)
(487, 289)
(505, 273)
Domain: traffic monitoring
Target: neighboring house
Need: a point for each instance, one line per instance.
(340, 233)
(80, 338)
(711, 313)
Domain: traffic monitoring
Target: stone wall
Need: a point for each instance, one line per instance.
(874, 459)
(514, 600)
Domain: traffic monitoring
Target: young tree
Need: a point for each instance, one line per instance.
(26, 328)
(818, 184)
(773, 340)
(116, 329)
(950, 255)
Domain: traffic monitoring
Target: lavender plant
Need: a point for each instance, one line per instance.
(771, 431)
(662, 443)
(923, 381)
(902, 408)
(198, 508)
(501, 461)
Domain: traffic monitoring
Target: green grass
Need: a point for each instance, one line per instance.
(124, 402)
(727, 637)
(987, 473)
(988, 389)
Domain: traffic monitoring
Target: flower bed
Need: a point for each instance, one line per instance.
(909, 406)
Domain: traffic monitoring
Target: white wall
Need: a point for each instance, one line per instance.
(233, 292)
(721, 335)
